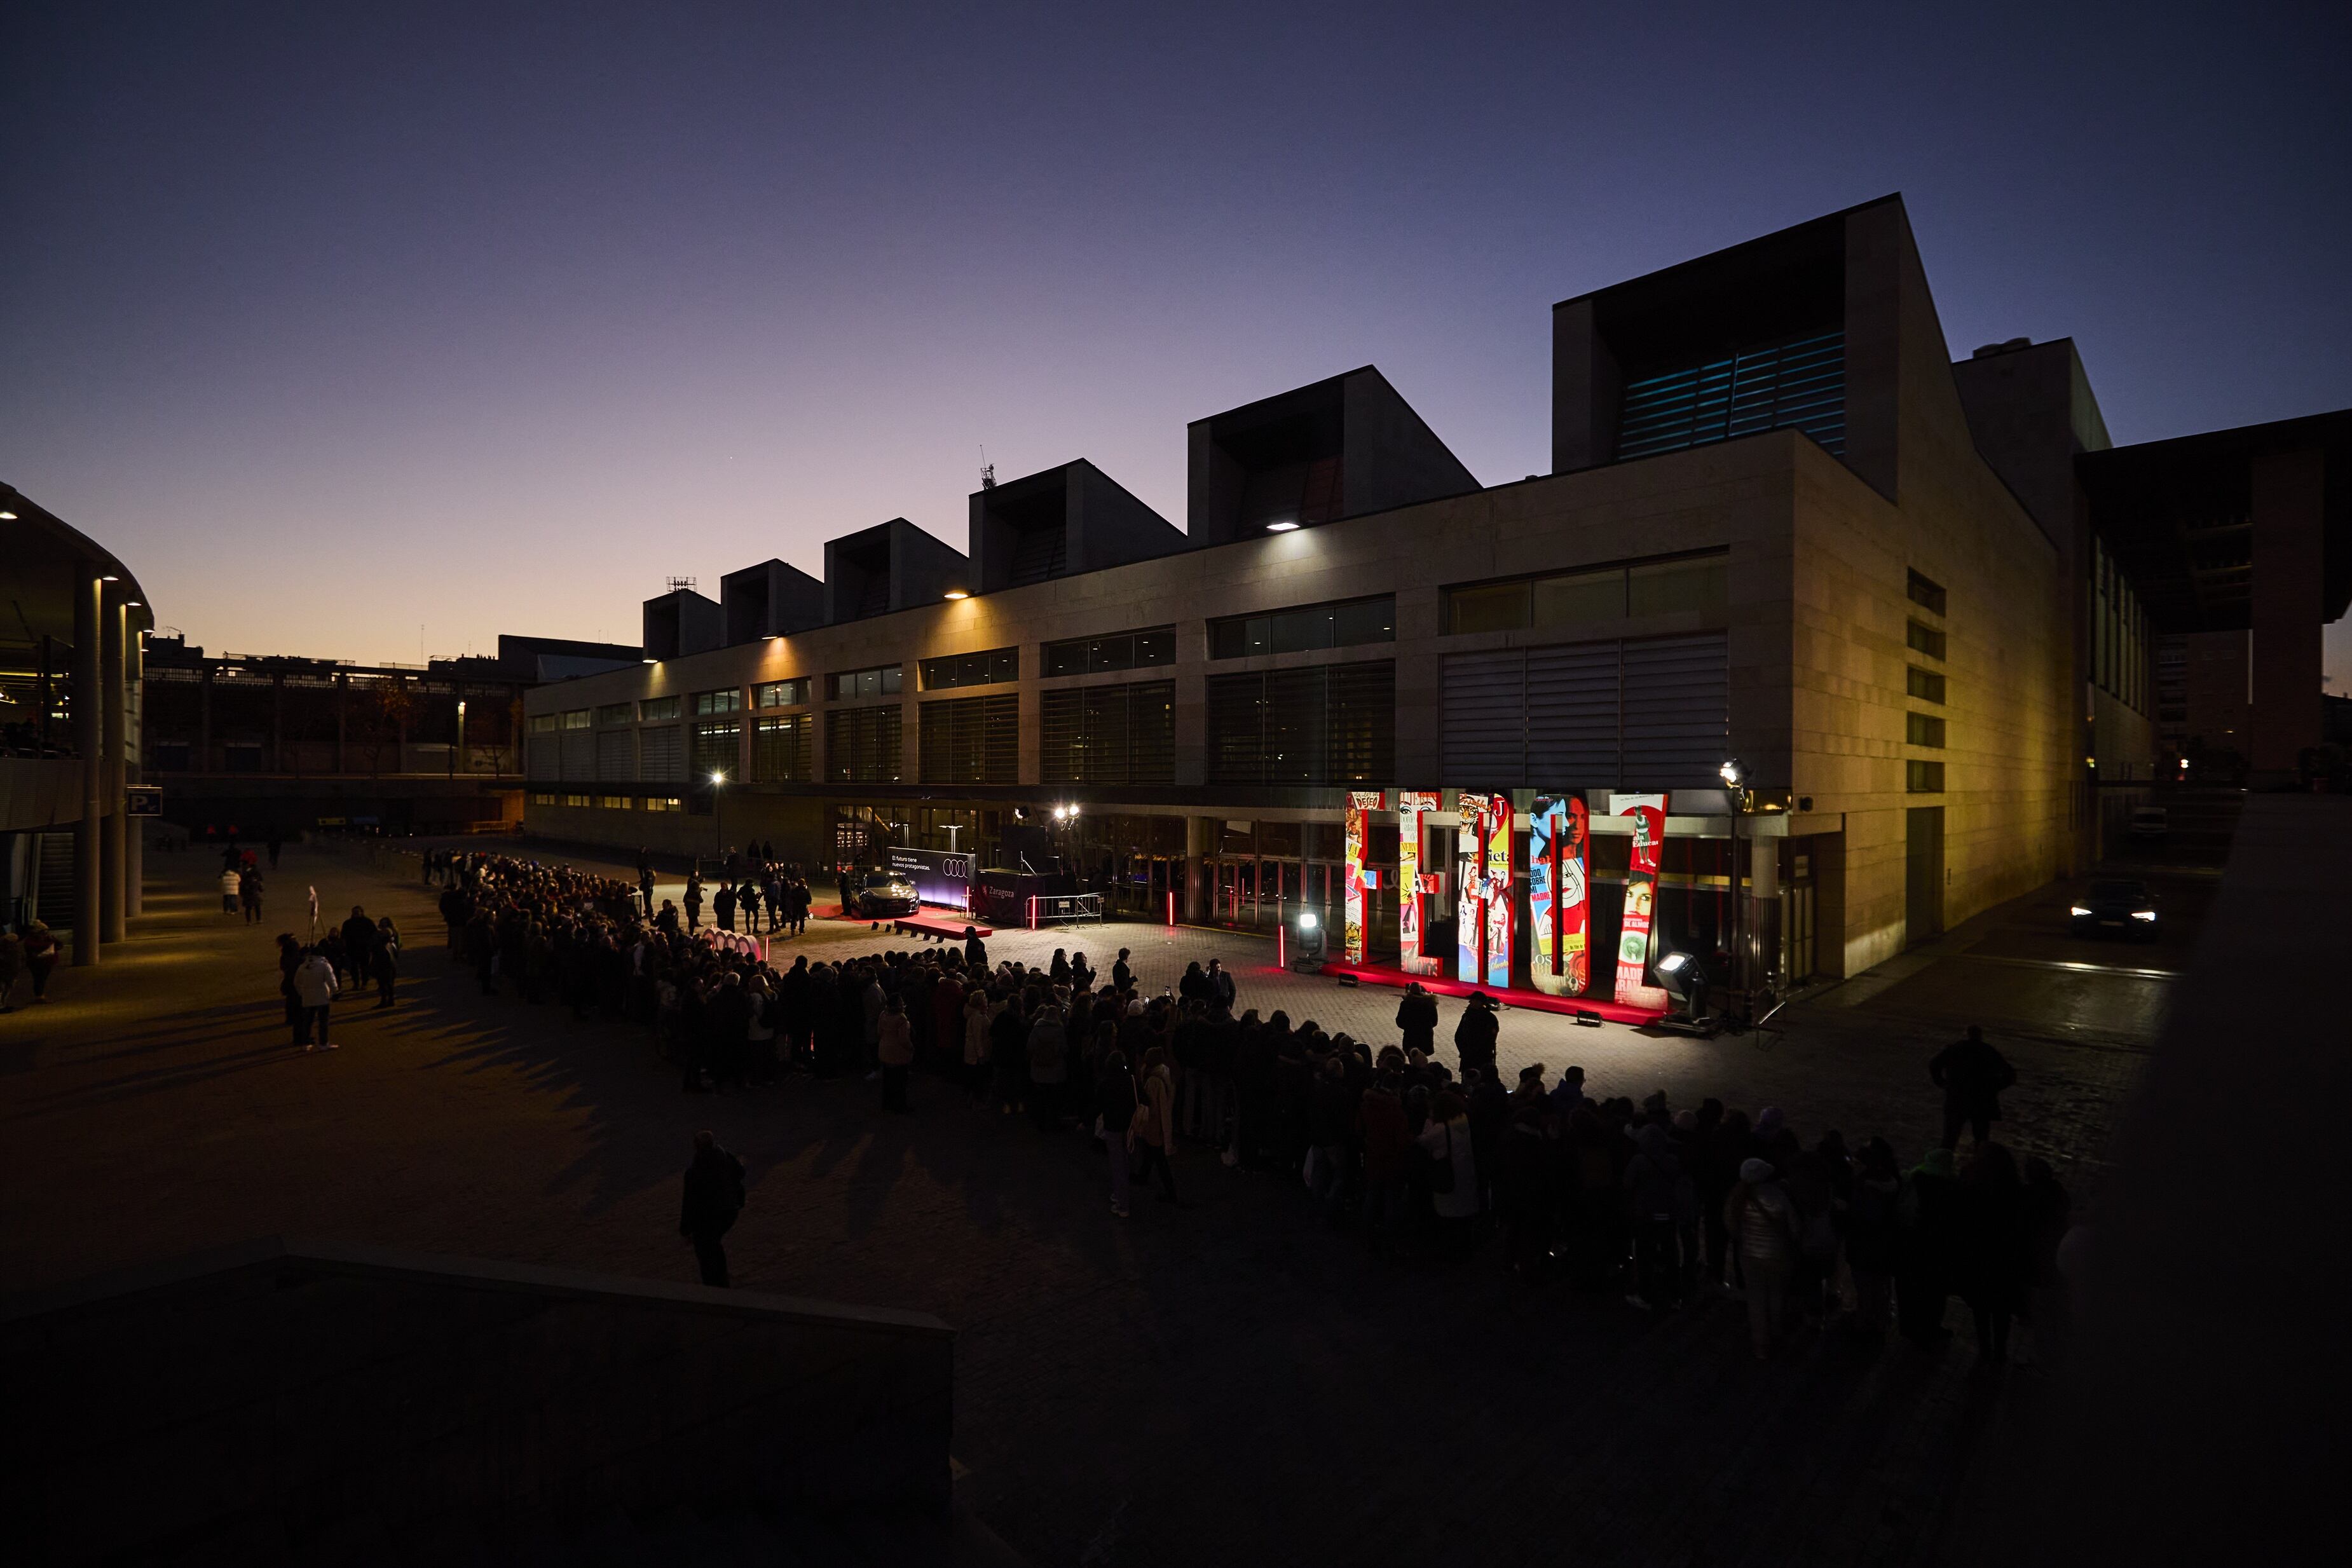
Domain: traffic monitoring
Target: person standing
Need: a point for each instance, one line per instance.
(231, 883)
(722, 906)
(1118, 1111)
(894, 1047)
(1416, 1020)
(387, 960)
(248, 895)
(1926, 1240)
(1475, 1035)
(693, 901)
(646, 883)
(1453, 1170)
(975, 952)
(1156, 1135)
(40, 956)
(714, 1196)
(1763, 1224)
(314, 992)
(1971, 1073)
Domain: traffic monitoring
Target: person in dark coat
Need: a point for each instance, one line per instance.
(1971, 1074)
(1475, 1036)
(976, 951)
(1993, 1261)
(1416, 1020)
(1926, 1239)
(714, 1196)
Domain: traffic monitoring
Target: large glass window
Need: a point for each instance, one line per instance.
(1923, 777)
(781, 749)
(1123, 734)
(1340, 625)
(1148, 648)
(973, 740)
(727, 701)
(1923, 729)
(718, 749)
(1925, 684)
(1796, 383)
(794, 693)
(881, 681)
(1324, 724)
(653, 709)
(615, 713)
(861, 745)
(542, 724)
(1700, 585)
(996, 666)
(576, 718)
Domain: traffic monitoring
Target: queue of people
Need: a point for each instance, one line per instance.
(1668, 1205)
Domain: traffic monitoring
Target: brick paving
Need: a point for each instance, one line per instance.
(1229, 1382)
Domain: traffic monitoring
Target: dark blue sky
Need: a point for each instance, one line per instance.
(338, 321)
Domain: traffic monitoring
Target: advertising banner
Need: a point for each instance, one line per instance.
(1362, 804)
(1556, 912)
(1649, 814)
(940, 876)
(1500, 903)
(1413, 882)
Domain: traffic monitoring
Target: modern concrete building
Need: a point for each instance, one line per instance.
(1781, 527)
(69, 693)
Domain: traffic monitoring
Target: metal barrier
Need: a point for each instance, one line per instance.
(1063, 908)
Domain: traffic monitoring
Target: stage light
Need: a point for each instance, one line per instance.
(1684, 978)
(1307, 921)
(7, 516)
(1281, 527)
(1731, 773)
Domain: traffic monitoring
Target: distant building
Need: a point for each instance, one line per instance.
(256, 745)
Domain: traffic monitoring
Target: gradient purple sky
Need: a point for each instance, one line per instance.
(336, 322)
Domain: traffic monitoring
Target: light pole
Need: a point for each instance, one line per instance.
(461, 738)
(1735, 778)
(719, 813)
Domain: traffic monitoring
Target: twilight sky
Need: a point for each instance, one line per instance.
(338, 322)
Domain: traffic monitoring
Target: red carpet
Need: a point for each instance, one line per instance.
(946, 922)
(1534, 1002)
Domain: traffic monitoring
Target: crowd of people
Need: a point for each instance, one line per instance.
(1667, 1204)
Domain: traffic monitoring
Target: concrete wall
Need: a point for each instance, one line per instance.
(1390, 457)
(276, 1389)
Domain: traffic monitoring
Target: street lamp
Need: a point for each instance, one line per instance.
(1735, 780)
(461, 738)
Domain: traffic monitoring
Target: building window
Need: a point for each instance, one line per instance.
(1109, 735)
(1693, 585)
(794, 693)
(576, 718)
(1924, 639)
(1926, 593)
(1923, 729)
(615, 712)
(718, 749)
(542, 799)
(781, 751)
(1794, 383)
(542, 724)
(612, 802)
(652, 709)
(973, 740)
(1121, 651)
(664, 803)
(1925, 684)
(575, 799)
(1325, 724)
(727, 701)
(988, 669)
(861, 745)
(1340, 625)
(881, 681)
(1923, 777)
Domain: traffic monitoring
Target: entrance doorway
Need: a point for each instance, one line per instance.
(1923, 874)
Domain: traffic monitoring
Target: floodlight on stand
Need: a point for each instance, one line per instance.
(1309, 956)
(1683, 976)
(1731, 772)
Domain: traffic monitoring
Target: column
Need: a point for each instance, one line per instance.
(113, 618)
(2289, 491)
(86, 701)
(134, 841)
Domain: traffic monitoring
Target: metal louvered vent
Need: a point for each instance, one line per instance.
(1798, 384)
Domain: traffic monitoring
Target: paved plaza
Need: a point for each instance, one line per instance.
(1226, 1382)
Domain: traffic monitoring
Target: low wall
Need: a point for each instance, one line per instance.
(275, 1390)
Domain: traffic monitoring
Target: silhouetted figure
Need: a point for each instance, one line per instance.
(714, 1196)
(1971, 1074)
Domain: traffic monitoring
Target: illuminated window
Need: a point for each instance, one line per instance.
(663, 803)
(794, 693)
(542, 724)
(577, 718)
(612, 803)
(575, 799)
(542, 800)
(1119, 651)
(1340, 625)
(881, 681)
(781, 749)
(996, 666)
(727, 701)
(653, 708)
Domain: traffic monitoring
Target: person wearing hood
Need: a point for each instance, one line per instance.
(1658, 1203)
(1926, 1220)
(1763, 1225)
(1475, 1034)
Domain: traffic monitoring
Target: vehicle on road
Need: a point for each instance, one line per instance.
(2149, 823)
(884, 893)
(2114, 904)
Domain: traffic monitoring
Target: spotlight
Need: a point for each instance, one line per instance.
(1309, 958)
(1731, 773)
(1281, 527)
(1684, 978)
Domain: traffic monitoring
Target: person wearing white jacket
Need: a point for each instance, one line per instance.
(314, 990)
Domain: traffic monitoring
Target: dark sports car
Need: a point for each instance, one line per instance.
(2114, 904)
(885, 895)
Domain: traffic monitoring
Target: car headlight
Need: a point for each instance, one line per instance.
(2143, 914)
(2079, 913)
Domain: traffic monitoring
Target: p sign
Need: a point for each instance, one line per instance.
(142, 800)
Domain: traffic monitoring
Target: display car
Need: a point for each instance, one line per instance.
(2116, 905)
(885, 893)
